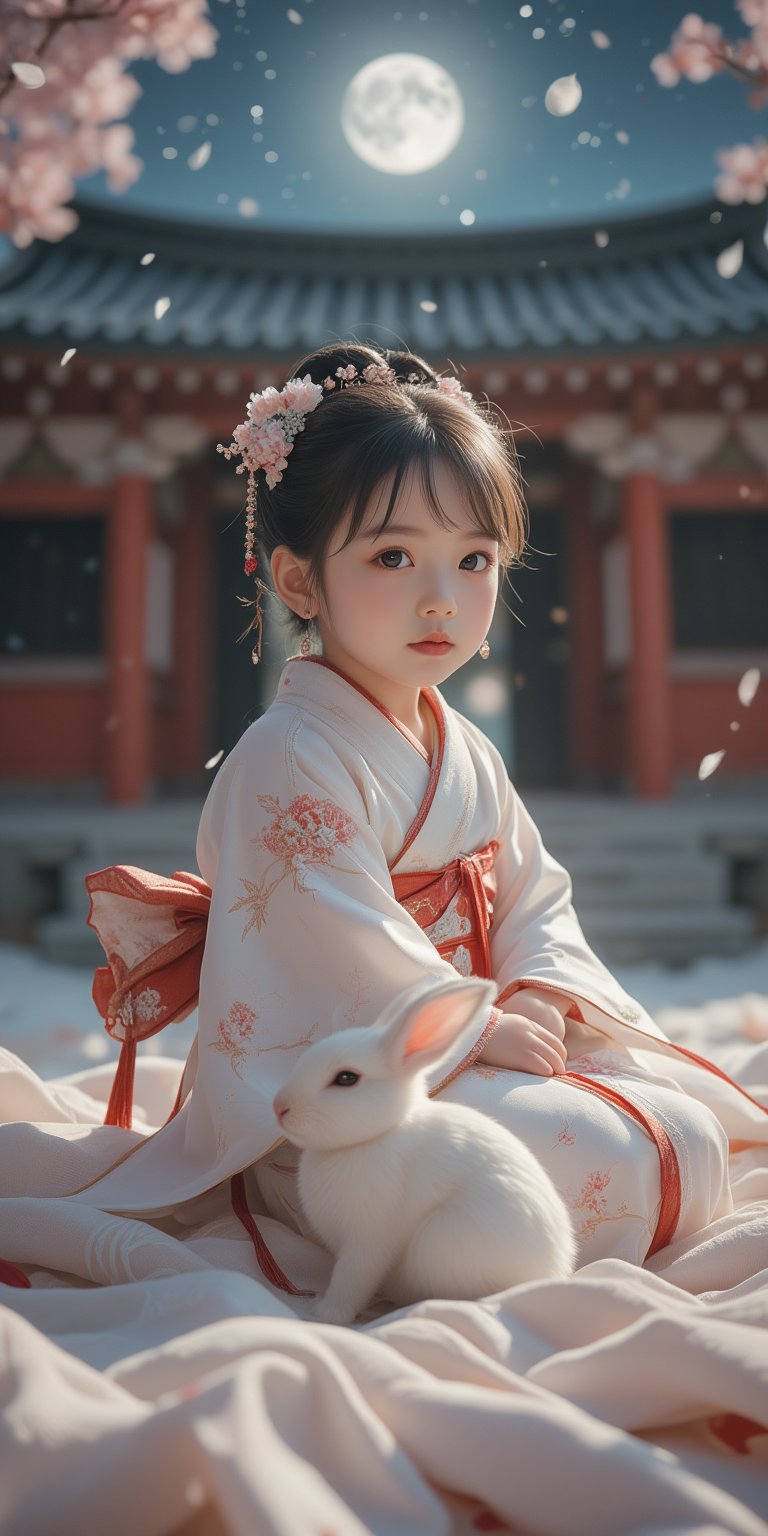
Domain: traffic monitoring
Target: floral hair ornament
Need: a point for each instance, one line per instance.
(265, 439)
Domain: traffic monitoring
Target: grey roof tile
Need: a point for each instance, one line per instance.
(535, 293)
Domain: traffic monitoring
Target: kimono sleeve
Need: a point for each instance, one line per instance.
(536, 937)
(305, 936)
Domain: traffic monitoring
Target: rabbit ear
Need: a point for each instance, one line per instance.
(431, 1025)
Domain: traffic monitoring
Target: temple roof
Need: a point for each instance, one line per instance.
(653, 285)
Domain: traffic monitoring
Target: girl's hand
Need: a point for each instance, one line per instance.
(531, 1038)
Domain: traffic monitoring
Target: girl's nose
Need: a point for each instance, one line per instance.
(439, 598)
(280, 1107)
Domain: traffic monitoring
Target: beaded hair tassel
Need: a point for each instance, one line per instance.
(265, 439)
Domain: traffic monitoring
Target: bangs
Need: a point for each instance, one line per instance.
(489, 502)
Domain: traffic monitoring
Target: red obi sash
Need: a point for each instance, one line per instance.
(426, 894)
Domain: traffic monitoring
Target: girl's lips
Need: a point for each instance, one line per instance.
(433, 647)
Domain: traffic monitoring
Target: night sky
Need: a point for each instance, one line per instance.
(515, 164)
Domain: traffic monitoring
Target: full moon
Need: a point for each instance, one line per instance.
(402, 113)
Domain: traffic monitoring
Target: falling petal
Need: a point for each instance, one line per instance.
(200, 156)
(161, 308)
(95, 1047)
(729, 261)
(486, 695)
(30, 75)
(601, 238)
(755, 1018)
(295, 17)
(748, 686)
(563, 96)
(600, 40)
(622, 135)
(428, 305)
(212, 761)
(147, 259)
(68, 355)
(710, 764)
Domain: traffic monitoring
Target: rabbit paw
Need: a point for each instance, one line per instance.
(328, 1312)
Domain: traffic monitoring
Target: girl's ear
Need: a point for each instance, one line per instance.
(431, 1026)
(290, 576)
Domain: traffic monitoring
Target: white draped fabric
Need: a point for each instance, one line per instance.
(154, 1380)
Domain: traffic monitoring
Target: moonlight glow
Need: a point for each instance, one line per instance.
(402, 113)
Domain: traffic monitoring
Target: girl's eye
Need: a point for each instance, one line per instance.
(476, 555)
(385, 553)
(349, 1079)
(479, 554)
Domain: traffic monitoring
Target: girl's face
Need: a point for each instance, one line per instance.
(384, 593)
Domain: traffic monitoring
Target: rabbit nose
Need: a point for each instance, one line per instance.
(279, 1107)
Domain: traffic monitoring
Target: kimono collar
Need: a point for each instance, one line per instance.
(311, 677)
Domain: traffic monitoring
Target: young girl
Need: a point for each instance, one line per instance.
(363, 837)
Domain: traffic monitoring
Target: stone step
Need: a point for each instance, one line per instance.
(65, 939)
(661, 880)
(619, 935)
(667, 935)
(566, 840)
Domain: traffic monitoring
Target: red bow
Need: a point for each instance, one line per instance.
(152, 928)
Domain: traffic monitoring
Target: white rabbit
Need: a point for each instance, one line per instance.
(413, 1197)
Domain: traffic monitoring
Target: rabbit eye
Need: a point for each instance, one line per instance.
(345, 1079)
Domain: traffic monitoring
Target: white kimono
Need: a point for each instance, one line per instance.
(346, 866)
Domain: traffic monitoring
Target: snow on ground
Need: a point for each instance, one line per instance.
(48, 1017)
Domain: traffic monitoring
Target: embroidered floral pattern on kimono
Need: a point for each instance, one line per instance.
(593, 1201)
(233, 1032)
(306, 832)
(602, 1064)
(565, 1138)
(358, 990)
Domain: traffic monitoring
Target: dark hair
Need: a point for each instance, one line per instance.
(358, 435)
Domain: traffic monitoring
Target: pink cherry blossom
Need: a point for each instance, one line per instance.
(693, 52)
(754, 13)
(697, 51)
(745, 173)
(66, 128)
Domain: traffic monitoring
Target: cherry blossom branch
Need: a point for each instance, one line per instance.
(697, 51)
(52, 27)
(61, 122)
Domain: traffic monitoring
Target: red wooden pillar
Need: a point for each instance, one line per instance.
(648, 733)
(193, 636)
(128, 758)
(585, 723)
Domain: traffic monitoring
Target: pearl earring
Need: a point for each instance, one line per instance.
(485, 650)
(306, 644)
